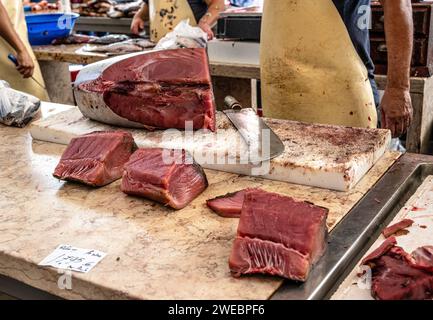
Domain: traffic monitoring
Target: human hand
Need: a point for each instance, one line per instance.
(137, 24)
(397, 112)
(206, 28)
(25, 64)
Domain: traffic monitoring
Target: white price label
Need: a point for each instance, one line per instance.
(72, 258)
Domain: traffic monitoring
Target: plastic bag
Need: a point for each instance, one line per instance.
(183, 36)
(16, 108)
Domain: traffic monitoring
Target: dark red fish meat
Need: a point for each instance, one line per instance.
(398, 275)
(279, 236)
(229, 205)
(170, 177)
(97, 158)
(406, 223)
(159, 89)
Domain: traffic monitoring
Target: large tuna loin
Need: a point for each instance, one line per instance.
(279, 236)
(170, 177)
(97, 158)
(159, 89)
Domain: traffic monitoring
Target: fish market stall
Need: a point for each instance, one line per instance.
(145, 243)
(171, 232)
(152, 173)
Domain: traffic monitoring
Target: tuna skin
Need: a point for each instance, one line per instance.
(96, 159)
(278, 235)
(173, 184)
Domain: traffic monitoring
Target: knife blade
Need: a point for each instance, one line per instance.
(263, 144)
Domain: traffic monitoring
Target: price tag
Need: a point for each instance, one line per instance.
(72, 258)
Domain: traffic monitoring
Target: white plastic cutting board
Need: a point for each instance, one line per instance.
(322, 156)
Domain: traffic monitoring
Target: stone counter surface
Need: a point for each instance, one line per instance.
(153, 252)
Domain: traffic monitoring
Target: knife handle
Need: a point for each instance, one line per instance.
(232, 103)
(12, 58)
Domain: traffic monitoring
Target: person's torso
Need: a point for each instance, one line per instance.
(199, 8)
(356, 15)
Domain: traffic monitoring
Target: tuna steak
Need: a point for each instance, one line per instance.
(97, 158)
(158, 89)
(278, 235)
(230, 205)
(170, 177)
(397, 275)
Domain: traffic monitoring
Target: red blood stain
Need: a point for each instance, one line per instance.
(369, 118)
(416, 209)
(423, 227)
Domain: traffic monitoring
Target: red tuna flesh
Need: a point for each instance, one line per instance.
(387, 245)
(406, 223)
(170, 177)
(161, 89)
(278, 235)
(229, 205)
(97, 158)
(398, 275)
(424, 258)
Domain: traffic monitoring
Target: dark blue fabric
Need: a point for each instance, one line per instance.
(199, 8)
(357, 20)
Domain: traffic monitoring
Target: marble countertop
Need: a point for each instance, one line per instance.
(152, 252)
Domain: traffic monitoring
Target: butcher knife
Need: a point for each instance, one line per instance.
(263, 143)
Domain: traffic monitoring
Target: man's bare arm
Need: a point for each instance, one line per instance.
(140, 17)
(211, 17)
(396, 104)
(7, 32)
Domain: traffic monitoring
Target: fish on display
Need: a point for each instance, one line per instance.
(156, 90)
(96, 159)
(83, 38)
(128, 9)
(111, 38)
(74, 39)
(128, 46)
(161, 175)
(278, 235)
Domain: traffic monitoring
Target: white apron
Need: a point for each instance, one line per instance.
(310, 70)
(8, 71)
(164, 15)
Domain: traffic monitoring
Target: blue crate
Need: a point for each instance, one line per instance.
(44, 28)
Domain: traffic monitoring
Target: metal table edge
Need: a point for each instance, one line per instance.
(349, 240)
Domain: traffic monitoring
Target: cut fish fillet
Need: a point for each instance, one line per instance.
(97, 158)
(278, 235)
(229, 205)
(170, 177)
